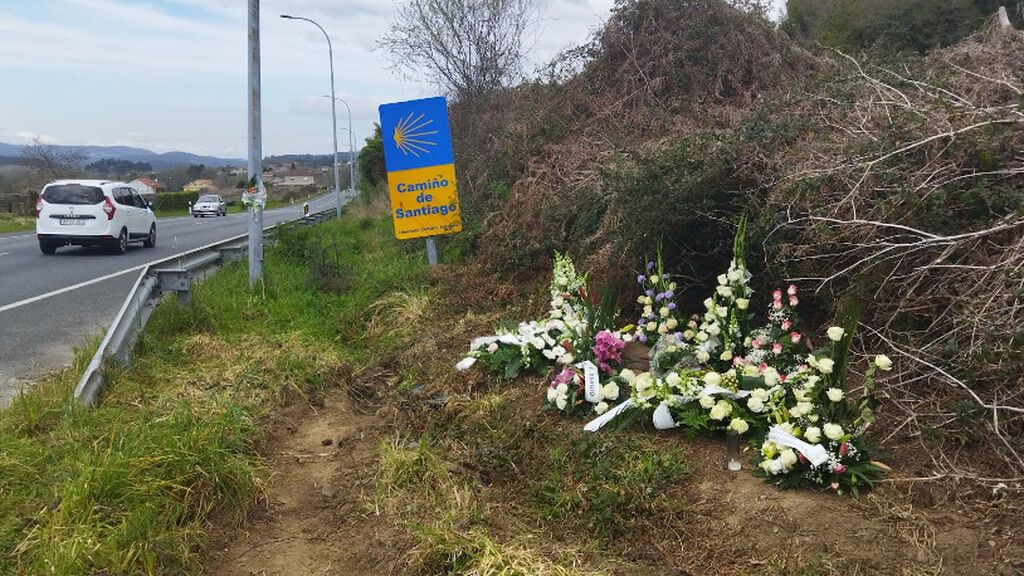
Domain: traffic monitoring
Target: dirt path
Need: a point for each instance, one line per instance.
(315, 521)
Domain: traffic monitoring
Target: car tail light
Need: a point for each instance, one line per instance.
(39, 206)
(108, 208)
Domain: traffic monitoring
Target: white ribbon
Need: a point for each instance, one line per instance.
(663, 418)
(479, 343)
(596, 424)
(591, 382)
(815, 453)
(711, 390)
(465, 364)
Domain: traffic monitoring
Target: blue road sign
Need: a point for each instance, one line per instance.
(416, 134)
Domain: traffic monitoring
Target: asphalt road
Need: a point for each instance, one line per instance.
(51, 304)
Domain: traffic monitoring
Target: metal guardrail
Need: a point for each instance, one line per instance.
(159, 279)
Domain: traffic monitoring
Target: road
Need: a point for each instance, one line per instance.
(49, 305)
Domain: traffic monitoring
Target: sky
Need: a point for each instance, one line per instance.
(171, 74)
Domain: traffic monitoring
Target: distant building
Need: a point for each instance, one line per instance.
(147, 186)
(201, 185)
(296, 178)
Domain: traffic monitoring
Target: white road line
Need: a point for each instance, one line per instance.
(21, 303)
(16, 237)
(4, 253)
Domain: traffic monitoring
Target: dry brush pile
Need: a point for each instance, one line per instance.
(900, 183)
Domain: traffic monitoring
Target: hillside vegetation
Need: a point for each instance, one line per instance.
(888, 176)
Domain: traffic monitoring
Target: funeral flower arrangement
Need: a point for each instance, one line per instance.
(719, 370)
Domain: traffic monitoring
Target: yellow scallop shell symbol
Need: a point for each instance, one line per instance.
(412, 136)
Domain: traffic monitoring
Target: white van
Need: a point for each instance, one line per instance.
(93, 213)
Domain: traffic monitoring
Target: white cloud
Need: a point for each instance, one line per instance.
(170, 74)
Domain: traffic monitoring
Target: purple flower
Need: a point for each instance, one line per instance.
(659, 297)
(641, 279)
(650, 265)
(649, 292)
(642, 337)
(669, 294)
(671, 305)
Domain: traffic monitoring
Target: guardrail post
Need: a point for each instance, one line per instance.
(177, 280)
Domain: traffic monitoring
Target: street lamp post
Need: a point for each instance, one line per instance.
(351, 144)
(334, 116)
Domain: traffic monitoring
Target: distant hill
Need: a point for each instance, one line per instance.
(307, 159)
(157, 161)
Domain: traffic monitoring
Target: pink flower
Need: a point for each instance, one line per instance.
(839, 469)
(777, 305)
(762, 367)
(843, 450)
(782, 377)
(791, 290)
(777, 296)
(787, 324)
(756, 343)
(793, 301)
(795, 337)
(737, 360)
(777, 348)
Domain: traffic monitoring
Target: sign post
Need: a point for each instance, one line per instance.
(421, 170)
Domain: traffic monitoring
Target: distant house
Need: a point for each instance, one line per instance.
(147, 186)
(201, 185)
(296, 178)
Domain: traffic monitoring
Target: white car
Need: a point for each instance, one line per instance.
(93, 213)
(209, 204)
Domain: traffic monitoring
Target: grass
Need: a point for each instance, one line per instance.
(15, 223)
(128, 487)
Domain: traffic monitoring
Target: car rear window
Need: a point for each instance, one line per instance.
(207, 199)
(72, 194)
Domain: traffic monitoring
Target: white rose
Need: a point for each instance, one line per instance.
(567, 359)
(721, 311)
(801, 409)
(557, 351)
(672, 286)
(735, 275)
(552, 394)
(673, 379)
(883, 362)
(662, 329)
(702, 336)
(825, 365)
(556, 313)
(648, 301)
(654, 279)
(720, 410)
(786, 427)
(834, 394)
(726, 356)
(835, 333)
(723, 279)
(833, 431)
(664, 312)
(788, 457)
(725, 291)
(709, 303)
(562, 389)
(648, 310)
(557, 302)
(703, 356)
(610, 391)
(760, 393)
(672, 323)
(641, 299)
(714, 329)
(493, 347)
(706, 401)
(560, 402)
(712, 378)
(813, 434)
(755, 404)
(652, 326)
(742, 303)
(771, 376)
(537, 342)
(739, 425)
(601, 408)
(627, 375)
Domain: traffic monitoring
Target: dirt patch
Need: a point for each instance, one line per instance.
(315, 519)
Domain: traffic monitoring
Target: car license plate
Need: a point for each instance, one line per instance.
(71, 222)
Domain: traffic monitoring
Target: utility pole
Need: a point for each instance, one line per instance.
(255, 149)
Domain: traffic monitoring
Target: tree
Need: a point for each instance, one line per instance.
(371, 158)
(51, 161)
(195, 171)
(469, 46)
